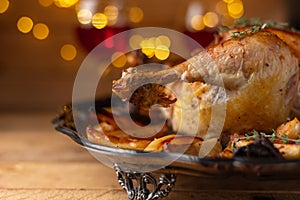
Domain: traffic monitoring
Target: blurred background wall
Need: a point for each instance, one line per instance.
(43, 42)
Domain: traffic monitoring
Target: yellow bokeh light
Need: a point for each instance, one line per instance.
(221, 8)
(148, 47)
(135, 41)
(211, 19)
(111, 12)
(136, 14)
(84, 16)
(236, 9)
(197, 22)
(68, 52)
(162, 52)
(65, 3)
(99, 20)
(25, 24)
(163, 40)
(228, 1)
(40, 31)
(45, 3)
(4, 4)
(118, 59)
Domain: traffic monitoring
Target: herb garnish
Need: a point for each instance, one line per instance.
(272, 137)
(253, 25)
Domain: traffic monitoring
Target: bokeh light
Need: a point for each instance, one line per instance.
(84, 16)
(46, 3)
(109, 42)
(155, 46)
(162, 52)
(136, 14)
(148, 47)
(221, 8)
(135, 41)
(4, 4)
(236, 9)
(25, 24)
(228, 1)
(99, 20)
(197, 23)
(65, 3)
(40, 31)
(211, 19)
(111, 12)
(68, 52)
(118, 59)
(163, 40)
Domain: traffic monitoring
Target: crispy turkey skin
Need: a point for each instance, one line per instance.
(258, 72)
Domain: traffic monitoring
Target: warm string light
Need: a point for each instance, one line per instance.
(65, 3)
(46, 3)
(226, 11)
(110, 16)
(40, 31)
(25, 24)
(118, 59)
(230, 10)
(154, 46)
(135, 41)
(84, 16)
(4, 4)
(111, 12)
(136, 14)
(99, 20)
(211, 19)
(197, 23)
(68, 52)
(85, 13)
(236, 9)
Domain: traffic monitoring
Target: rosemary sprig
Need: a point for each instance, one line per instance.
(254, 25)
(272, 137)
(243, 21)
(250, 30)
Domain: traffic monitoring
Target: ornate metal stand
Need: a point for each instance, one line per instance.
(145, 186)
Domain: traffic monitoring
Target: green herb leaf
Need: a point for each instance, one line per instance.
(273, 136)
(255, 21)
(271, 23)
(255, 133)
(242, 21)
(254, 25)
(248, 137)
(284, 139)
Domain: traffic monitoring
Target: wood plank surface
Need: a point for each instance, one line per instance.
(115, 194)
(36, 162)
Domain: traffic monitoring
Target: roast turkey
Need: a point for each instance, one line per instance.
(252, 79)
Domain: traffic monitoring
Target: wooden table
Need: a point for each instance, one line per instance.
(36, 162)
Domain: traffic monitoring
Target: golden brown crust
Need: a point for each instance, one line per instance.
(292, 39)
(260, 75)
